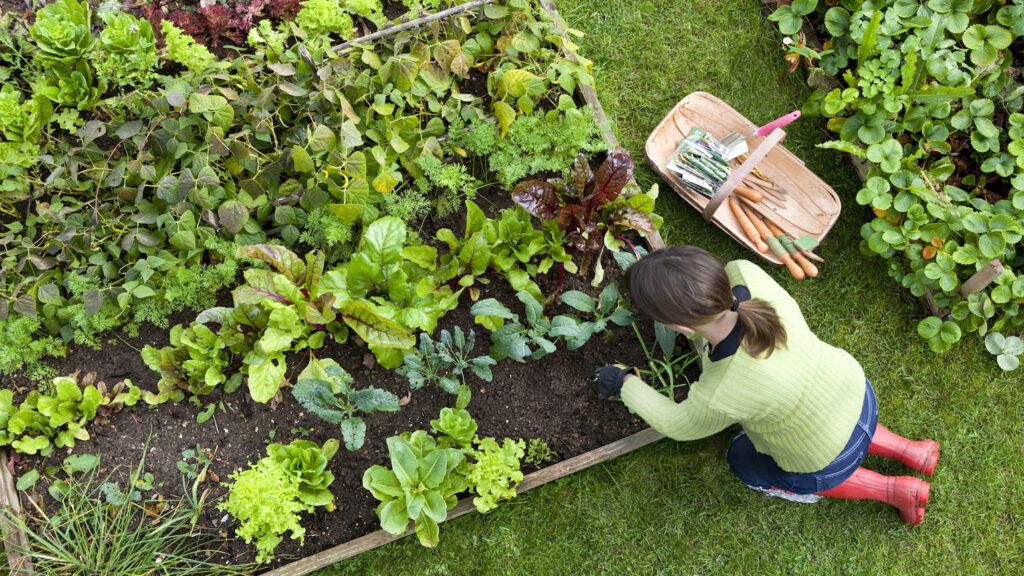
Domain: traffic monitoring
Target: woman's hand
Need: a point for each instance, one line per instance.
(609, 379)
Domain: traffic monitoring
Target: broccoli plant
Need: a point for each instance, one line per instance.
(607, 308)
(445, 362)
(326, 389)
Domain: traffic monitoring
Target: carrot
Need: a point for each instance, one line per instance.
(787, 242)
(747, 225)
(755, 218)
(749, 193)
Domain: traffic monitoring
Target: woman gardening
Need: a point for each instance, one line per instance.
(809, 415)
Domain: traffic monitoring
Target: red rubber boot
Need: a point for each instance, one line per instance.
(907, 493)
(920, 455)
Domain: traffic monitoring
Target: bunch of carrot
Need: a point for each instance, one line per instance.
(765, 236)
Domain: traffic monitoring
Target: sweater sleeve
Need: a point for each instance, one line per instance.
(689, 420)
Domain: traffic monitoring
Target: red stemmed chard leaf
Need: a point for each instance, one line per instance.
(538, 198)
(610, 179)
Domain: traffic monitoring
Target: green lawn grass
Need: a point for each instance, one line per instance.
(674, 508)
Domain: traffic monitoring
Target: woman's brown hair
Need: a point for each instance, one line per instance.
(689, 286)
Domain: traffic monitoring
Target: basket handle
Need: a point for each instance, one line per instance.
(737, 176)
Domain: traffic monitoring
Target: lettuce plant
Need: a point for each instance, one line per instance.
(420, 487)
(326, 389)
(63, 32)
(495, 471)
(325, 17)
(268, 497)
(43, 422)
(455, 427)
(183, 49)
(127, 51)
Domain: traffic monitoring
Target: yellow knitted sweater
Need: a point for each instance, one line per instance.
(799, 405)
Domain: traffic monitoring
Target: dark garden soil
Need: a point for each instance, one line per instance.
(551, 399)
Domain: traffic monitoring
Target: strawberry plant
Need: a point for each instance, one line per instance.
(928, 93)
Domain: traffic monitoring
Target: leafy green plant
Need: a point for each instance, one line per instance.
(88, 534)
(928, 93)
(183, 49)
(420, 487)
(514, 340)
(63, 32)
(326, 389)
(495, 471)
(127, 51)
(445, 362)
(607, 308)
(534, 143)
(579, 206)
(21, 350)
(455, 427)
(325, 17)
(452, 180)
(43, 422)
(387, 289)
(1006, 349)
(538, 453)
(268, 497)
(668, 372)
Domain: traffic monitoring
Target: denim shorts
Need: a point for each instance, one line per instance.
(760, 470)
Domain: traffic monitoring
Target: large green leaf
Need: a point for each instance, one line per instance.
(375, 329)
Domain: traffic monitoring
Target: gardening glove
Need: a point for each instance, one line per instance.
(609, 379)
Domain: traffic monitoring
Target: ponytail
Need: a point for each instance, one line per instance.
(762, 329)
(688, 285)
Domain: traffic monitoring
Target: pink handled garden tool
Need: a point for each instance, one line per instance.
(736, 143)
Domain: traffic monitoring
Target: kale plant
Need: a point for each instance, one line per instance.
(326, 389)
(445, 362)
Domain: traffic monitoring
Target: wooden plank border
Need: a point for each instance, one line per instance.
(14, 538)
(538, 478)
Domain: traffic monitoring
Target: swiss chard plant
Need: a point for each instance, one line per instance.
(389, 289)
(584, 206)
(445, 362)
(327, 390)
(928, 94)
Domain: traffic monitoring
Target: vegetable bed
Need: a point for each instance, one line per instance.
(299, 258)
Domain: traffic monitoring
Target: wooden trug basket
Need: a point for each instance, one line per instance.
(811, 207)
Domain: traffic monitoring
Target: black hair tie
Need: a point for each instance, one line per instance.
(735, 305)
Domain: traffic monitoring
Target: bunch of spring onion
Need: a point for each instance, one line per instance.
(699, 162)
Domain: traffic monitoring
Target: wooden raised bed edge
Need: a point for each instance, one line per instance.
(14, 540)
(986, 274)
